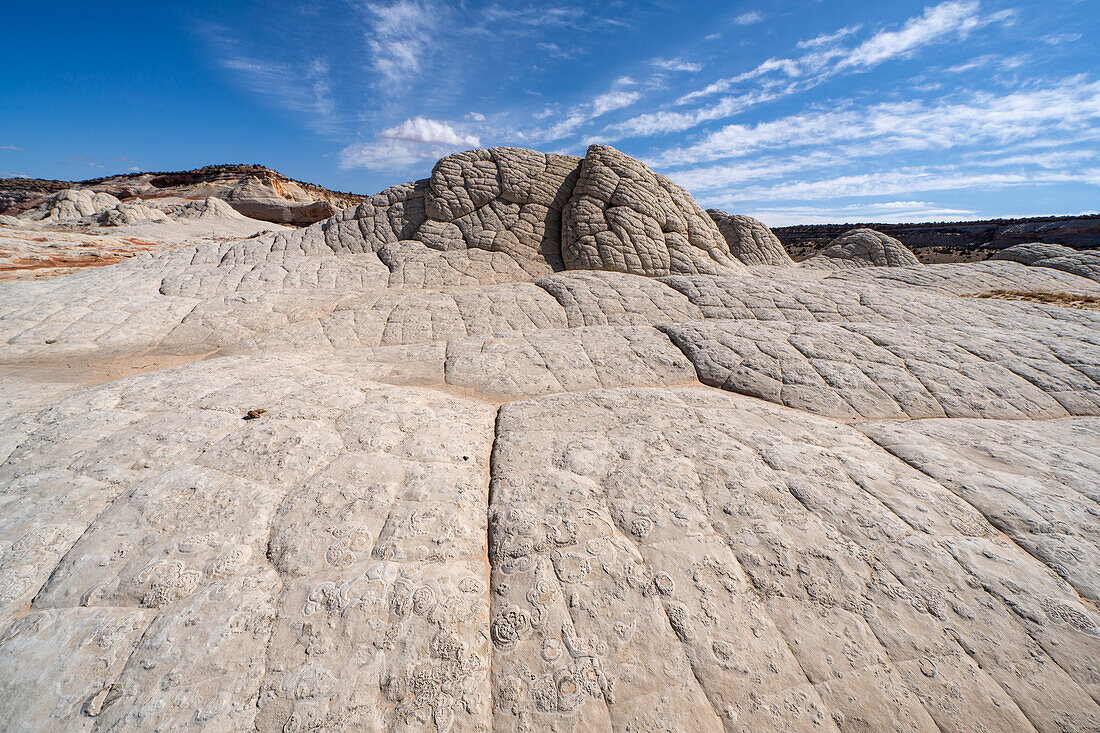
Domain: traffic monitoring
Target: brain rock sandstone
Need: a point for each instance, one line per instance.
(863, 248)
(526, 446)
(749, 240)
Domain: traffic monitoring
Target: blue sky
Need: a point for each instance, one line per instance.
(814, 111)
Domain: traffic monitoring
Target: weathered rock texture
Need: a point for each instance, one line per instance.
(1085, 263)
(626, 218)
(863, 248)
(749, 240)
(446, 461)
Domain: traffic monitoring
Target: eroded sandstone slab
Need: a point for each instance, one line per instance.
(526, 446)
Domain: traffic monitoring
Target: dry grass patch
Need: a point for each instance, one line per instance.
(1066, 300)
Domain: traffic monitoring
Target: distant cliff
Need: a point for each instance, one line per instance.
(955, 238)
(253, 190)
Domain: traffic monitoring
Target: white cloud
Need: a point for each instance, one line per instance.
(384, 154)
(723, 176)
(830, 38)
(753, 16)
(904, 181)
(824, 58)
(413, 141)
(989, 60)
(1056, 39)
(399, 34)
(613, 100)
(555, 50)
(665, 122)
(1068, 110)
(676, 64)
(429, 132)
(937, 24)
(616, 98)
(10, 147)
(475, 117)
(890, 212)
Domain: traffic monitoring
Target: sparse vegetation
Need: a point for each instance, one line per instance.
(1066, 300)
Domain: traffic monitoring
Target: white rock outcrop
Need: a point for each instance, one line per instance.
(1085, 263)
(447, 461)
(750, 240)
(863, 248)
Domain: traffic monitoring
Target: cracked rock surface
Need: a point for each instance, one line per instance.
(863, 248)
(749, 240)
(1085, 263)
(530, 445)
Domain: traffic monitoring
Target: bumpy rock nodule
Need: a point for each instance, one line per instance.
(535, 450)
(749, 240)
(863, 248)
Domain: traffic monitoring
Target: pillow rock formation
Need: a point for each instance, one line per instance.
(1085, 263)
(528, 445)
(863, 248)
(749, 240)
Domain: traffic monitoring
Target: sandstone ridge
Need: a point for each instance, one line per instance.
(252, 190)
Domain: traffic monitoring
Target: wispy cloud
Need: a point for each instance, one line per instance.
(903, 181)
(613, 100)
(302, 86)
(950, 20)
(1057, 39)
(622, 94)
(827, 39)
(676, 64)
(555, 51)
(299, 89)
(753, 16)
(887, 212)
(10, 147)
(398, 35)
(667, 121)
(1069, 110)
(824, 57)
(987, 61)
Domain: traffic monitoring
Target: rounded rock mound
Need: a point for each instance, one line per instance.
(863, 248)
(1085, 263)
(70, 204)
(626, 218)
(507, 200)
(750, 240)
